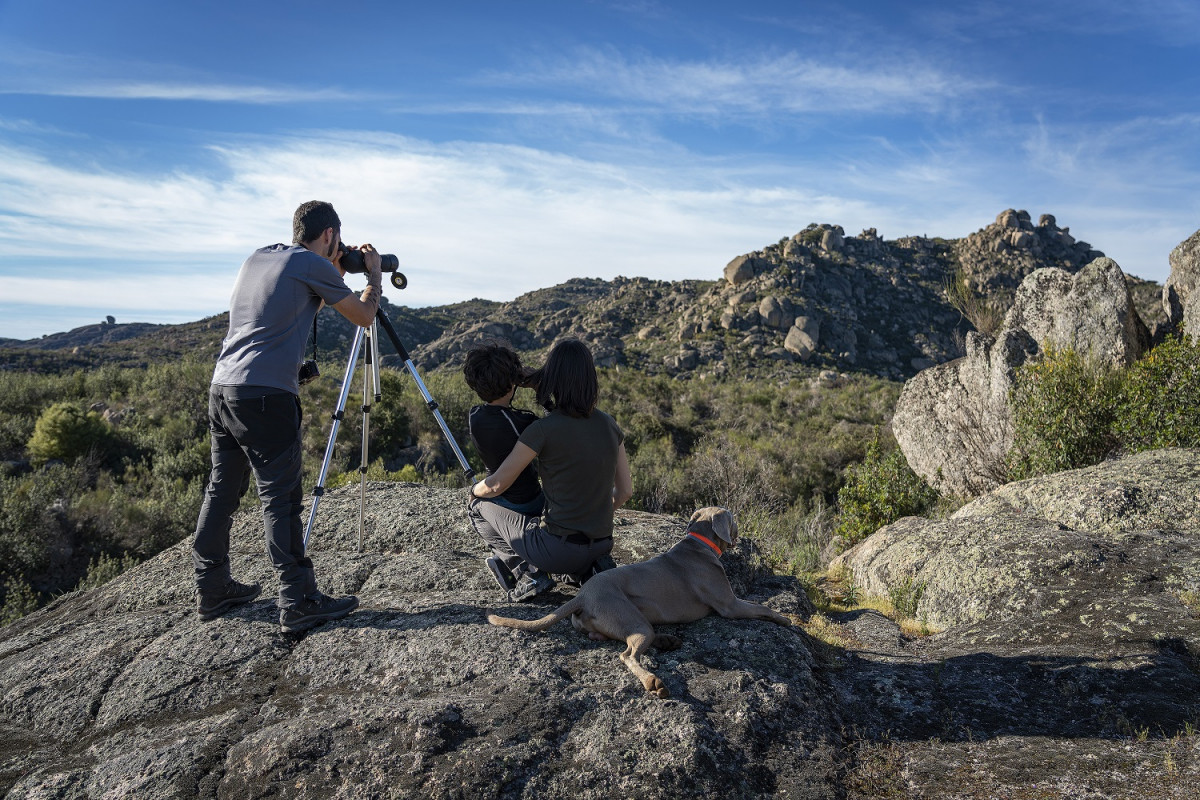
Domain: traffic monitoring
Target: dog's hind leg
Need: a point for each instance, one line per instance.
(637, 645)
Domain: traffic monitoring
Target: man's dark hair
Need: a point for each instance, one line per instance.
(568, 380)
(311, 220)
(492, 369)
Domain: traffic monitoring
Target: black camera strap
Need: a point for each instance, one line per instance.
(314, 337)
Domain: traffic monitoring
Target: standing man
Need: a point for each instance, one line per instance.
(254, 413)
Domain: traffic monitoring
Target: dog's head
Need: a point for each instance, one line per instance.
(716, 523)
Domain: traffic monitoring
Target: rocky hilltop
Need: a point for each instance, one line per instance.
(816, 300)
(1068, 665)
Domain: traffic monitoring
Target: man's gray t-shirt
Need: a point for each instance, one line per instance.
(577, 461)
(278, 292)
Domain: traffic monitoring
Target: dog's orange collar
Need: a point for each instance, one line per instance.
(708, 542)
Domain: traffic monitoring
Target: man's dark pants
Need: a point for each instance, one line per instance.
(260, 435)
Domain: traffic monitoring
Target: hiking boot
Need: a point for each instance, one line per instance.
(574, 581)
(530, 585)
(501, 574)
(211, 606)
(315, 609)
(602, 564)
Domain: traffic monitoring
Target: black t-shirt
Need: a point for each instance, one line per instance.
(577, 460)
(494, 430)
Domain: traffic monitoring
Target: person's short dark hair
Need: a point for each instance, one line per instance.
(492, 369)
(568, 380)
(311, 220)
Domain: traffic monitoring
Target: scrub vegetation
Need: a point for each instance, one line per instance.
(105, 467)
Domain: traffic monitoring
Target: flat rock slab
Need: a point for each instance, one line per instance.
(122, 692)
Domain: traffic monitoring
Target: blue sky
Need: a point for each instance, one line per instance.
(497, 147)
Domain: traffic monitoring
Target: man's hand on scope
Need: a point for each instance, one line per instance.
(374, 264)
(361, 310)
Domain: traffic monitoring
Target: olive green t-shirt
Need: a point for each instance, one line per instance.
(577, 461)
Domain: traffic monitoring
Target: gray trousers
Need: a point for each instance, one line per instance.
(525, 545)
(259, 435)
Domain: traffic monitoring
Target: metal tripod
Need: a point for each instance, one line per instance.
(366, 340)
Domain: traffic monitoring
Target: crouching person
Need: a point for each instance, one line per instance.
(585, 476)
(494, 371)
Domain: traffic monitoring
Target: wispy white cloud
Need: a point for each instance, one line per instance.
(30, 71)
(118, 89)
(759, 84)
(485, 220)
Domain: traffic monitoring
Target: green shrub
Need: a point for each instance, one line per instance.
(906, 596)
(34, 517)
(1064, 408)
(1159, 404)
(879, 490)
(19, 600)
(104, 568)
(65, 431)
(375, 472)
(791, 541)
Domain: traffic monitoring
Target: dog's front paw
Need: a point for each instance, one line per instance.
(656, 687)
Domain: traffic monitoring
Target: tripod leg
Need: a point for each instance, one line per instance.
(380, 317)
(370, 389)
(437, 415)
(338, 414)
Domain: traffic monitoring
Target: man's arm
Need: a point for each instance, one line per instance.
(361, 310)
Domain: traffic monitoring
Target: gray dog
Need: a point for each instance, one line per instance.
(683, 584)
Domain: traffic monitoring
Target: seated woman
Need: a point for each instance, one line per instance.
(581, 460)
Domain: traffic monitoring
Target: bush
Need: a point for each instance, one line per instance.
(375, 472)
(1064, 408)
(879, 490)
(1159, 403)
(64, 432)
(34, 523)
(19, 600)
(104, 568)
(791, 541)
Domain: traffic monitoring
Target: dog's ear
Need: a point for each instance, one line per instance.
(716, 522)
(725, 526)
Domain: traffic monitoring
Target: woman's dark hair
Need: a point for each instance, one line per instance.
(491, 370)
(311, 219)
(568, 380)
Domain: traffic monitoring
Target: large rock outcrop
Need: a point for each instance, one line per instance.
(1181, 292)
(123, 692)
(1090, 312)
(953, 421)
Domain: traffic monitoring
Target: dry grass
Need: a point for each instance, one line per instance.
(1191, 599)
(836, 593)
(985, 315)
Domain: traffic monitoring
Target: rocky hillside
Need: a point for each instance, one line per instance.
(815, 300)
(1068, 666)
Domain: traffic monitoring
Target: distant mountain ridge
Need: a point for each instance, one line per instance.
(815, 300)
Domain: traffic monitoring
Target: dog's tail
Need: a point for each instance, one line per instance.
(560, 613)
